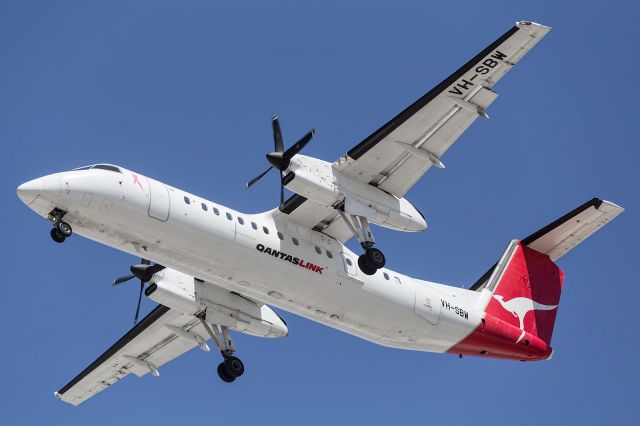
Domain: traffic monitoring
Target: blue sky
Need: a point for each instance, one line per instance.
(184, 91)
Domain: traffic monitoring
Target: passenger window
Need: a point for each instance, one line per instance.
(229, 216)
(253, 225)
(386, 276)
(204, 207)
(265, 229)
(329, 254)
(187, 200)
(295, 241)
(216, 211)
(349, 262)
(280, 235)
(240, 220)
(318, 250)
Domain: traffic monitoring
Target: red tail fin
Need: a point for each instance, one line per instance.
(524, 291)
(524, 287)
(528, 293)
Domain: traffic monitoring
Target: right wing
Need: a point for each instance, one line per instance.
(148, 345)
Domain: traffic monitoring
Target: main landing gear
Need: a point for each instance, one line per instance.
(373, 258)
(61, 230)
(231, 367)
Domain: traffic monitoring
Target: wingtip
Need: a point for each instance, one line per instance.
(611, 205)
(525, 24)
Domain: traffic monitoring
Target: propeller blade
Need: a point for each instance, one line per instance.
(297, 147)
(135, 320)
(257, 178)
(281, 190)
(277, 134)
(121, 280)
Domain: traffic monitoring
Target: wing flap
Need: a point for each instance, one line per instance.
(149, 343)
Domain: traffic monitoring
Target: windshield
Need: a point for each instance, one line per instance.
(102, 167)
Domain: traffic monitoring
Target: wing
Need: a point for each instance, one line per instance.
(147, 346)
(395, 156)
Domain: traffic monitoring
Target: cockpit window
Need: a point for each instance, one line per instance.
(107, 167)
(100, 166)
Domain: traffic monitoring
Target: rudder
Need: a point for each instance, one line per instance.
(527, 292)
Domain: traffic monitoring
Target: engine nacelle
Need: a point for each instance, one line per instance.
(317, 180)
(185, 294)
(174, 290)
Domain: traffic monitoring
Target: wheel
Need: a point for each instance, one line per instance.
(224, 375)
(64, 229)
(375, 257)
(365, 266)
(234, 366)
(56, 236)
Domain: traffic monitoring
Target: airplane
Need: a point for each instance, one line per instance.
(213, 270)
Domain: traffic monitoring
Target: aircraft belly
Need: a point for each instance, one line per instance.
(293, 278)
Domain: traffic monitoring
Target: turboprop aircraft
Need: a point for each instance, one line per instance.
(213, 269)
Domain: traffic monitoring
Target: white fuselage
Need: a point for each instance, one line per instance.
(262, 256)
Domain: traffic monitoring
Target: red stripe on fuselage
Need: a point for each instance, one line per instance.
(495, 338)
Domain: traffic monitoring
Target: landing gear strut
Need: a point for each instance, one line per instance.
(372, 259)
(61, 230)
(231, 367)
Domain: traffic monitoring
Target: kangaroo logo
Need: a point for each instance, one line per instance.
(137, 181)
(520, 306)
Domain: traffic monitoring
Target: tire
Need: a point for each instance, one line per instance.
(64, 229)
(223, 374)
(55, 236)
(234, 366)
(365, 267)
(375, 257)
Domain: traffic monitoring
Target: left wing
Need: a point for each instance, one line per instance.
(398, 154)
(395, 156)
(148, 345)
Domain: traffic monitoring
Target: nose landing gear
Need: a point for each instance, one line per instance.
(61, 230)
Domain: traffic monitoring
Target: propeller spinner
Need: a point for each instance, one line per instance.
(281, 158)
(144, 272)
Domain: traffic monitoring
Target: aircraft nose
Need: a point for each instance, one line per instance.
(28, 191)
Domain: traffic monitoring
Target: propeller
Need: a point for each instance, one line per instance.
(144, 272)
(281, 158)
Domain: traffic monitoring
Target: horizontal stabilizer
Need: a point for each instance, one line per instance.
(565, 233)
